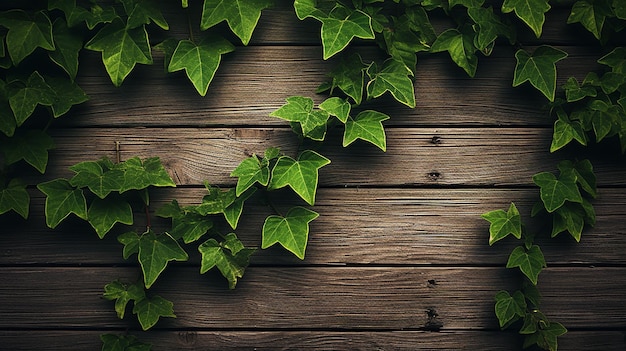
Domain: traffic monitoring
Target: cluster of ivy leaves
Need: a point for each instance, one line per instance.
(40, 55)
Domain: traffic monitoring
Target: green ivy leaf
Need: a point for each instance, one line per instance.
(150, 309)
(300, 109)
(229, 256)
(301, 175)
(291, 231)
(140, 174)
(337, 107)
(68, 45)
(531, 262)
(367, 126)
(539, 69)
(615, 59)
(584, 174)
(546, 338)
(571, 217)
(186, 223)
(490, 27)
(111, 342)
(393, 77)
(26, 34)
(620, 9)
(575, 92)
(232, 213)
(216, 201)
(242, 16)
(15, 197)
(130, 240)
(92, 175)
(591, 14)
(509, 308)
(201, 61)
(104, 213)
(532, 12)
(61, 200)
(34, 92)
(31, 146)
(99, 15)
(461, 48)
(155, 251)
(565, 131)
(403, 43)
(123, 294)
(555, 191)
(121, 48)
(67, 94)
(8, 123)
(249, 172)
(503, 223)
(349, 76)
(73, 14)
(142, 12)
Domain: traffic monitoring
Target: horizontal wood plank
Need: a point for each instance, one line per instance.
(414, 157)
(354, 298)
(356, 226)
(309, 340)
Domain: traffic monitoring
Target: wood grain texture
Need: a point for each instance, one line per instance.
(356, 226)
(309, 340)
(460, 156)
(309, 298)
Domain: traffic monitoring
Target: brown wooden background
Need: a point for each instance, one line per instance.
(398, 259)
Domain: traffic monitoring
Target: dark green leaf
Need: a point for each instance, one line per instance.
(367, 125)
(539, 69)
(130, 240)
(123, 294)
(565, 131)
(490, 27)
(509, 308)
(301, 175)
(15, 197)
(242, 16)
(230, 257)
(349, 76)
(546, 338)
(8, 124)
(34, 92)
(531, 262)
(73, 14)
(503, 223)
(620, 9)
(555, 191)
(150, 309)
(393, 77)
(111, 342)
(25, 33)
(68, 45)
(142, 12)
(31, 146)
(300, 109)
(232, 213)
(571, 217)
(121, 49)
(402, 43)
(216, 201)
(140, 174)
(291, 231)
(201, 61)
(92, 175)
(67, 94)
(591, 14)
(100, 15)
(104, 213)
(155, 251)
(575, 92)
(584, 174)
(461, 48)
(615, 59)
(532, 12)
(61, 200)
(467, 3)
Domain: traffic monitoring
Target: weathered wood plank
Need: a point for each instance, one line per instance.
(355, 298)
(415, 156)
(309, 340)
(356, 226)
(254, 81)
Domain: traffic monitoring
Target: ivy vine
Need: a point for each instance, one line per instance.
(40, 52)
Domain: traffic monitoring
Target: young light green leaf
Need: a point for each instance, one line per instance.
(15, 197)
(142, 12)
(584, 174)
(532, 12)
(349, 76)
(111, 342)
(26, 34)
(503, 223)
(368, 126)
(61, 200)
(230, 257)
(249, 172)
(232, 213)
(201, 61)
(31, 146)
(300, 109)
(301, 175)
(555, 191)
(460, 46)
(308, 8)
(393, 77)
(591, 14)
(531, 262)
(123, 294)
(509, 308)
(242, 16)
(155, 251)
(34, 92)
(130, 240)
(104, 213)
(341, 26)
(68, 45)
(337, 107)
(67, 94)
(539, 69)
(291, 231)
(150, 309)
(122, 48)
(546, 338)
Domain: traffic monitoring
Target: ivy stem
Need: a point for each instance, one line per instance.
(271, 205)
(190, 26)
(148, 222)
